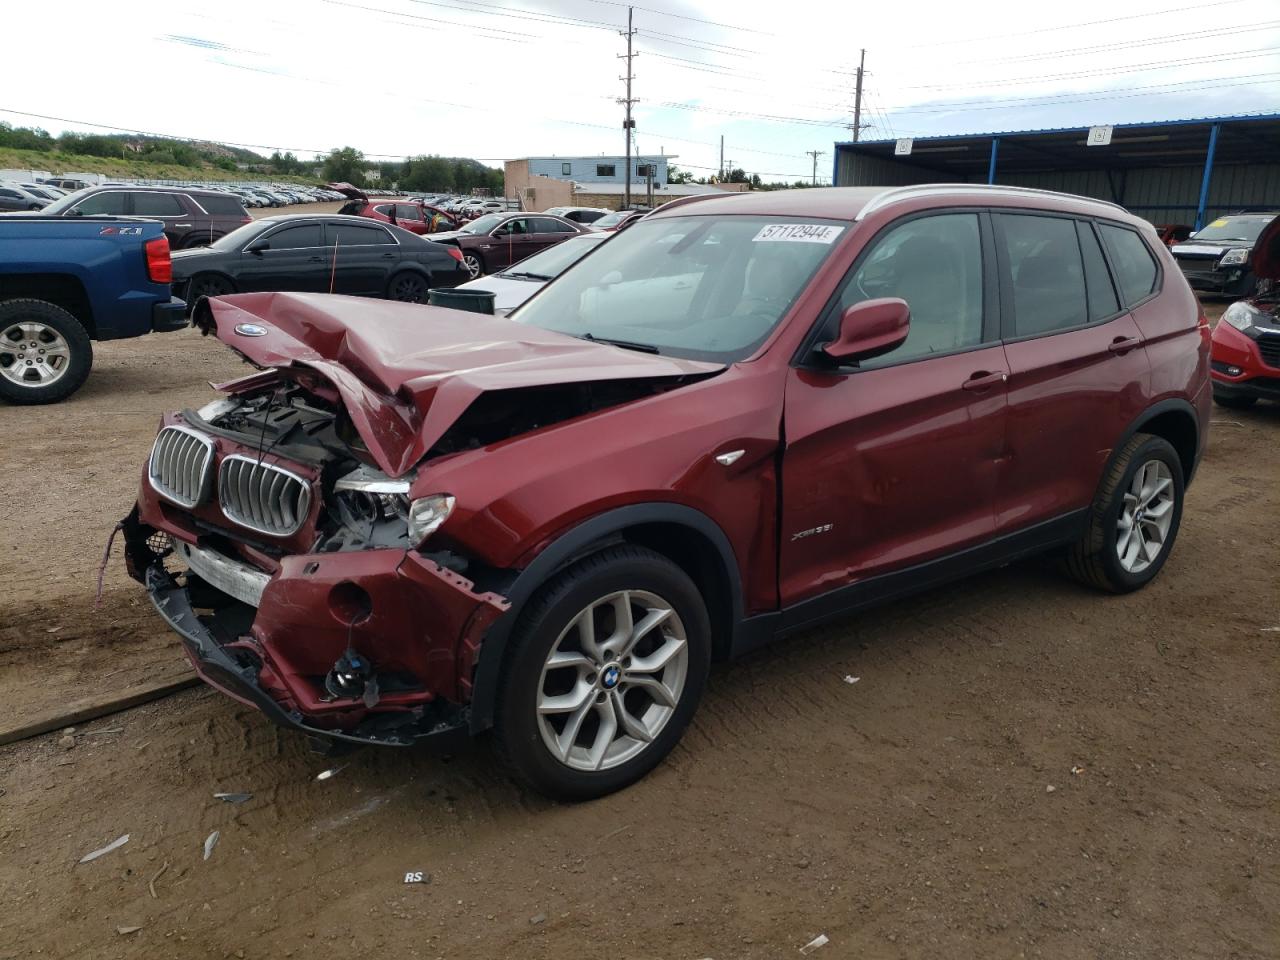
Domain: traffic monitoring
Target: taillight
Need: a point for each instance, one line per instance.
(159, 266)
(455, 253)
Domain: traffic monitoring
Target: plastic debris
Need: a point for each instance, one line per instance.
(126, 930)
(210, 842)
(113, 845)
(417, 876)
(331, 772)
(233, 797)
(851, 679)
(1077, 769)
(820, 940)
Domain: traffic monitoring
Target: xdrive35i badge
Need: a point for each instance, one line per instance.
(251, 329)
(812, 532)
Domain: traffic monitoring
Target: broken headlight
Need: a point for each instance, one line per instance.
(366, 495)
(427, 513)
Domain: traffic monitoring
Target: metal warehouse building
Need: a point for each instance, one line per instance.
(1174, 171)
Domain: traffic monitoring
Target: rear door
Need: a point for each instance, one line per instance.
(294, 260)
(364, 254)
(548, 231)
(895, 461)
(1078, 373)
(179, 224)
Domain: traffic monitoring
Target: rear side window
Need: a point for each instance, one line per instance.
(407, 211)
(347, 235)
(223, 206)
(6, 192)
(1102, 295)
(935, 264)
(547, 225)
(157, 205)
(1136, 269)
(1047, 272)
(294, 238)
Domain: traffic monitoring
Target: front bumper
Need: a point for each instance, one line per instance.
(1248, 356)
(271, 644)
(1205, 276)
(170, 316)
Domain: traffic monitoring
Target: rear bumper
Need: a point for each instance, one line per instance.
(169, 316)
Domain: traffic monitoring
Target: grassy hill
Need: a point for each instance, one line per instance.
(57, 161)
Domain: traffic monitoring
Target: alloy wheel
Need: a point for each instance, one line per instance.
(1146, 516)
(472, 263)
(33, 354)
(612, 680)
(409, 289)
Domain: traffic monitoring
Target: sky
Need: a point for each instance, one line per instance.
(503, 79)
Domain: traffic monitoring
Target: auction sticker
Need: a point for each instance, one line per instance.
(797, 233)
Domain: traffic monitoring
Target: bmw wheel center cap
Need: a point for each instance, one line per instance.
(610, 676)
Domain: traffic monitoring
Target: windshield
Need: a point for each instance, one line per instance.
(553, 262)
(237, 238)
(612, 219)
(1242, 228)
(703, 288)
(483, 224)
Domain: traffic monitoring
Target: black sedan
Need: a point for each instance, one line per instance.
(318, 254)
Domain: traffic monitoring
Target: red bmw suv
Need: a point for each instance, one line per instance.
(735, 419)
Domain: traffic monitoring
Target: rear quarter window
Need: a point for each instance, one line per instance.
(1135, 267)
(223, 206)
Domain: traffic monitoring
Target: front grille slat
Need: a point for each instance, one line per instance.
(180, 465)
(1269, 347)
(262, 496)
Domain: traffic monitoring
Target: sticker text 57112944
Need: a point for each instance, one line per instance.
(797, 233)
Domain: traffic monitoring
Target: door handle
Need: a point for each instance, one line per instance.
(1122, 345)
(982, 380)
(316, 260)
(388, 256)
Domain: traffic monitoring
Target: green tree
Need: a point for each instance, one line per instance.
(344, 165)
(676, 175)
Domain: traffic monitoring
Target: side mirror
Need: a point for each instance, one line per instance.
(870, 329)
(257, 246)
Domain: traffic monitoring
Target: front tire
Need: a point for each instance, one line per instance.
(474, 264)
(604, 671)
(1134, 519)
(45, 353)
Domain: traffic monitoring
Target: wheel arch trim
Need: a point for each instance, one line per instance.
(580, 541)
(1173, 405)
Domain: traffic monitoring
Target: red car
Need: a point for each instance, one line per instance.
(411, 215)
(734, 420)
(1246, 341)
(495, 241)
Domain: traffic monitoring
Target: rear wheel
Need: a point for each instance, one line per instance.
(1233, 403)
(1134, 518)
(473, 263)
(408, 288)
(207, 285)
(606, 668)
(45, 354)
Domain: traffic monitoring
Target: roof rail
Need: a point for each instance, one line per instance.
(927, 189)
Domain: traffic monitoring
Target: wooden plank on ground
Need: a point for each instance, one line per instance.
(80, 711)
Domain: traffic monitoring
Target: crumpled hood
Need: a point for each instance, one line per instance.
(406, 372)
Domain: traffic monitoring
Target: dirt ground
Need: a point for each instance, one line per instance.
(1023, 768)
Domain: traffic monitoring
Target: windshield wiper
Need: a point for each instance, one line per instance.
(525, 275)
(625, 344)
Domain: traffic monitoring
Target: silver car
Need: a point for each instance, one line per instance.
(14, 197)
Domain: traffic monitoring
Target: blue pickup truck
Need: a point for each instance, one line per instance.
(66, 282)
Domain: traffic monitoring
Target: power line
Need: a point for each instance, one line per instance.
(680, 16)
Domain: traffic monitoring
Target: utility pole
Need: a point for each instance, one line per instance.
(722, 156)
(815, 154)
(628, 124)
(857, 98)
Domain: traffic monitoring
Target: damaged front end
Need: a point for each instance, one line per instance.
(293, 572)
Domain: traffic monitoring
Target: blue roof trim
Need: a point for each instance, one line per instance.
(1027, 133)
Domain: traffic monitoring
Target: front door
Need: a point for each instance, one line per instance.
(294, 259)
(1078, 371)
(895, 461)
(509, 243)
(409, 216)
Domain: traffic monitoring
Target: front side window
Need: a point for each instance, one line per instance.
(1047, 272)
(935, 264)
(112, 204)
(296, 238)
(513, 228)
(1136, 269)
(12, 194)
(407, 211)
(157, 205)
(703, 287)
(605, 169)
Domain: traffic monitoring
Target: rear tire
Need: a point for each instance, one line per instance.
(207, 285)
(45, 353)
(1233, 403)
(1134, 519)
(407, 287)
(587, 706)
